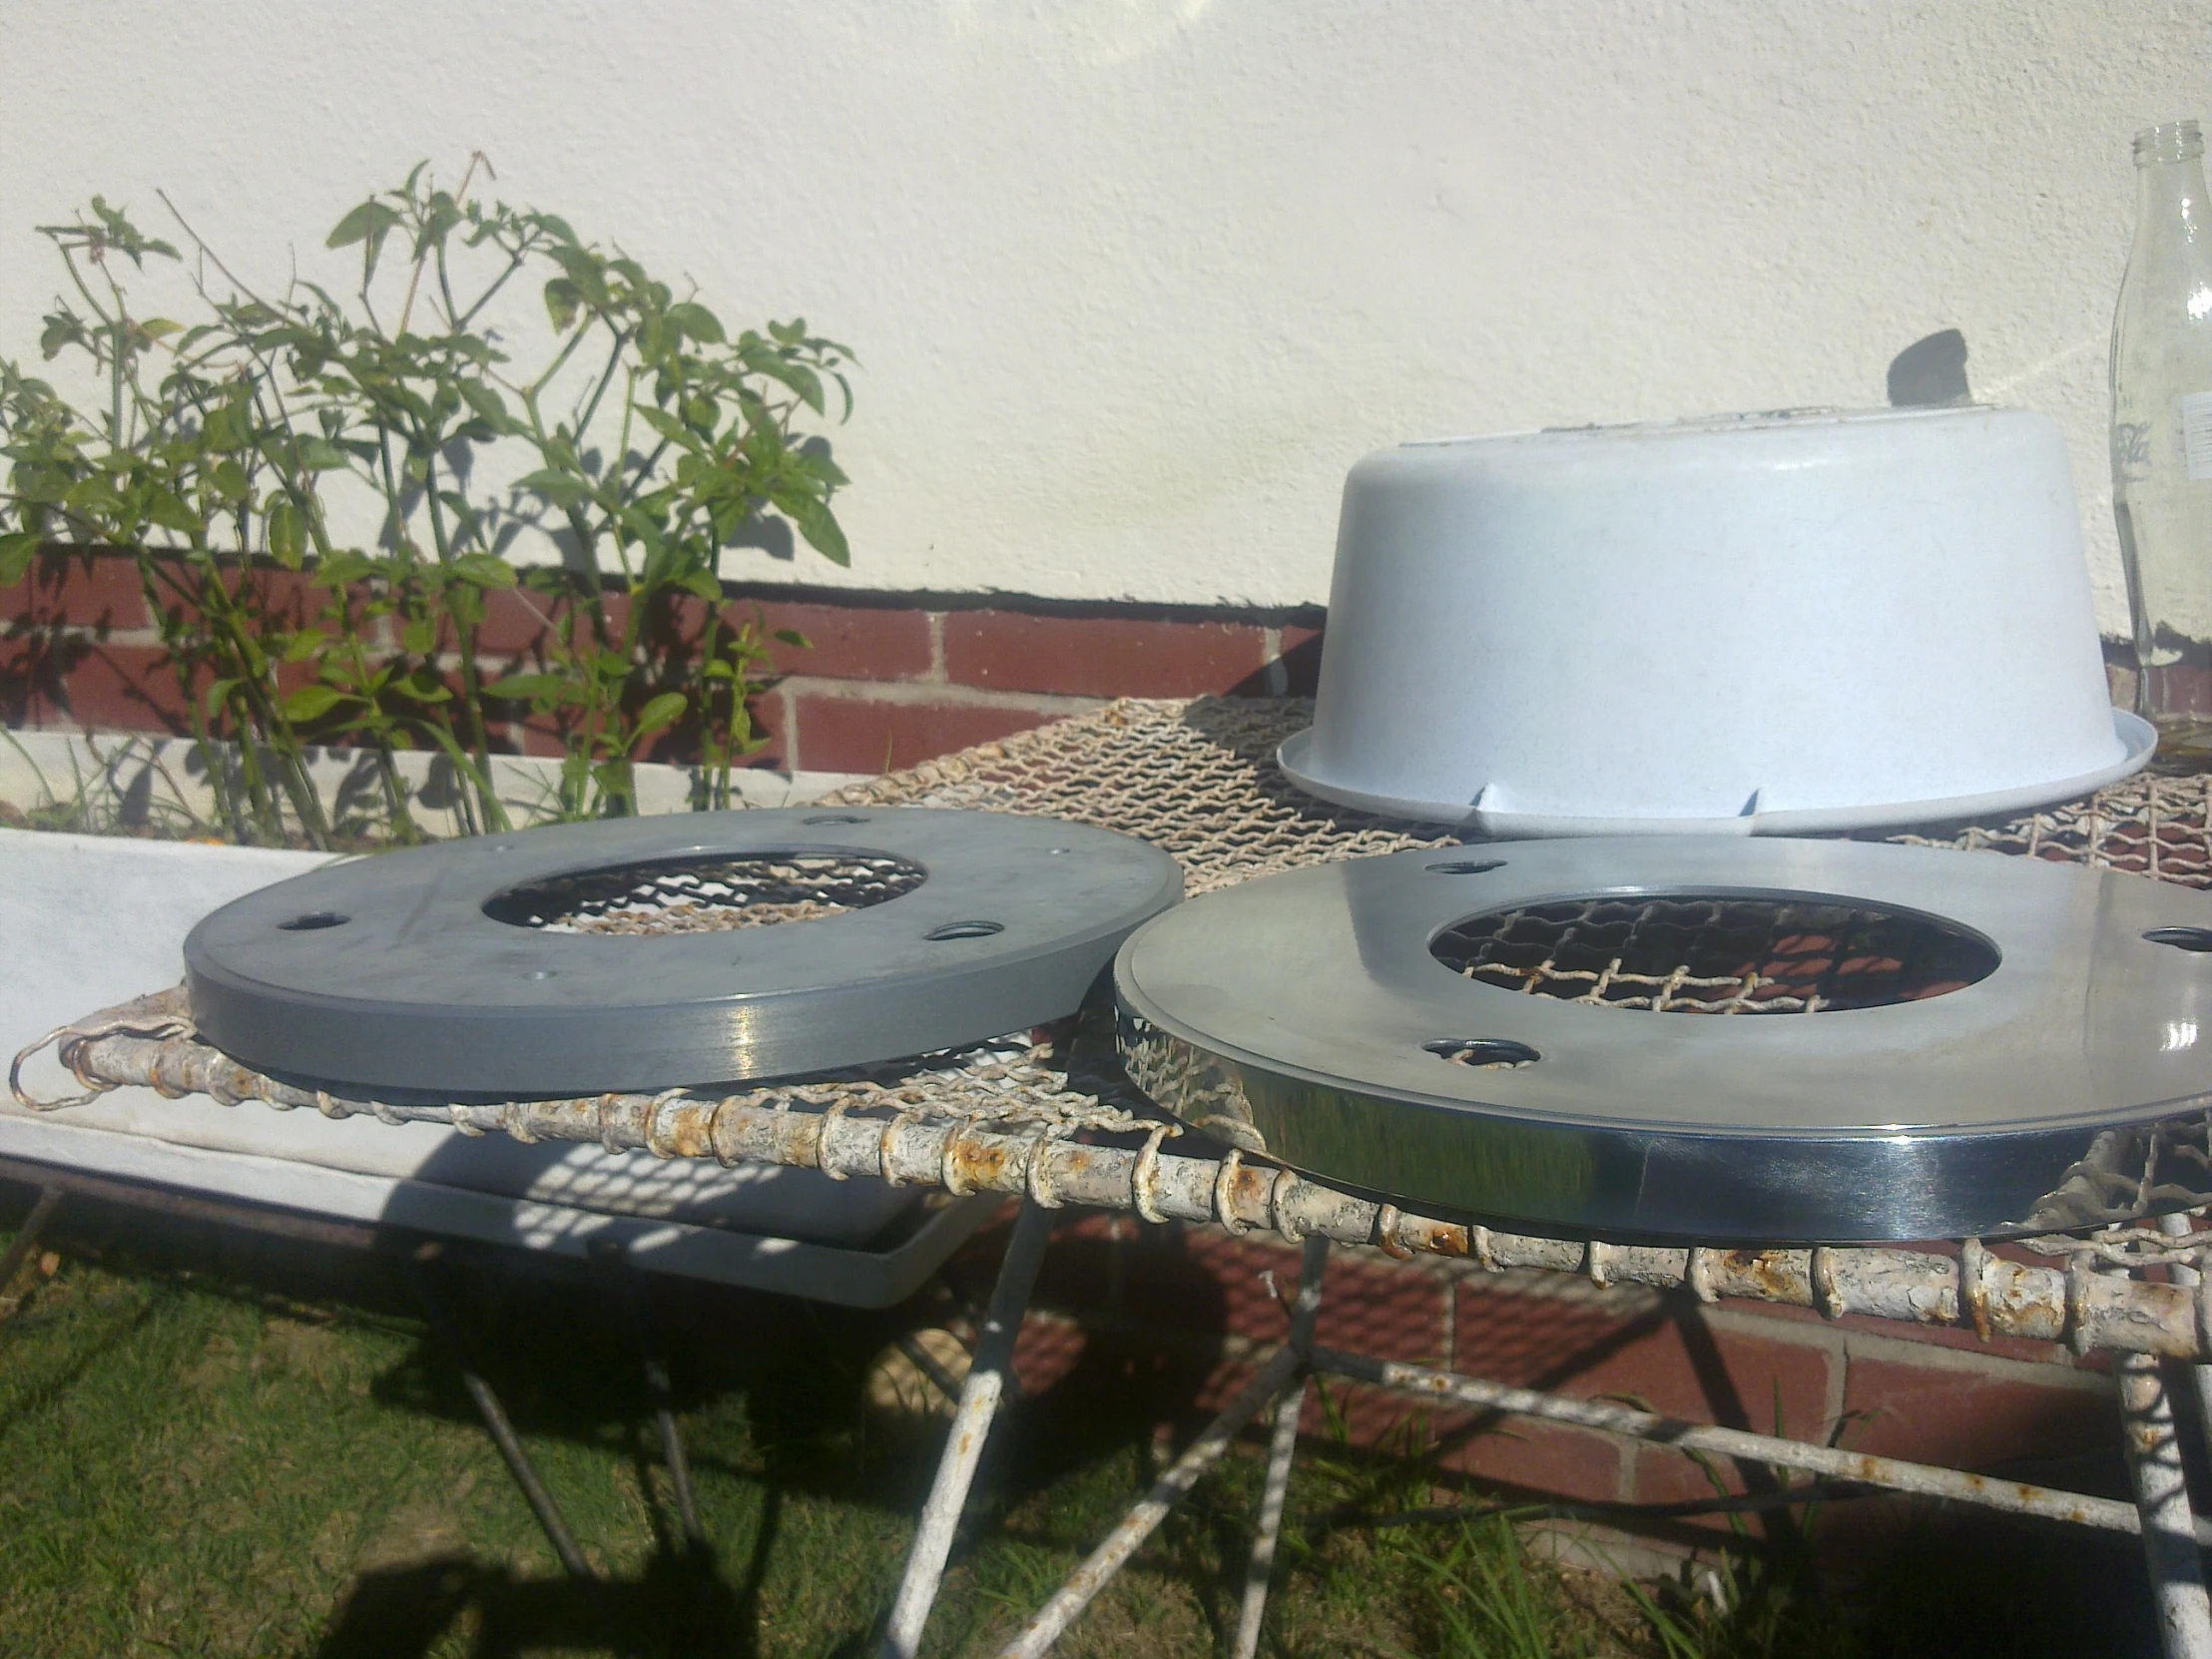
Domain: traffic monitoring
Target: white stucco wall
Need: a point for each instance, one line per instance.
(1135, 281)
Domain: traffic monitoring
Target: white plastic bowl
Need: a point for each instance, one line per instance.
(1750, 624)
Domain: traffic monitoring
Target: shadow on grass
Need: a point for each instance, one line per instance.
(806, 1489)
(52, 1392)
(681, 1604)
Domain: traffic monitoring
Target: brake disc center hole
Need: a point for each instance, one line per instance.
(706, 894)
(1717, 953)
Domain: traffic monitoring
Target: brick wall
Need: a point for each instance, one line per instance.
(1195, 1312)
(890, 679)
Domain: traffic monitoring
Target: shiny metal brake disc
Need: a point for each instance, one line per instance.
(1916, 1043)
(628, 955)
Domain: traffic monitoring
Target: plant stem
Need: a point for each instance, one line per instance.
(464, 639)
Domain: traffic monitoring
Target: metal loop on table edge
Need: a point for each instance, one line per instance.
(1225, 1194)
(1037, 1174)
(1974, 1260)
(1278, 1193)
(1144, 1178)
(831, 1114)
(1828, 1296)
(1698, 1274)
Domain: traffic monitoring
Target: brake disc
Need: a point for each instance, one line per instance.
(635, 953)
(1923, 1043)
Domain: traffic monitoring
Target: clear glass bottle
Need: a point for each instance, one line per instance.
(2162, 435)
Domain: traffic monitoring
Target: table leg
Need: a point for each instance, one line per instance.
(1282, 1450)
(2162, 1497)
(1052, 1619)
(971, 1426)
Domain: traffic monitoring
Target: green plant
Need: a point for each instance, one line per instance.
(659, 440)
(162, 472)
(1486, 1600)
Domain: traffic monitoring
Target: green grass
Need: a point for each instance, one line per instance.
(211, 1445)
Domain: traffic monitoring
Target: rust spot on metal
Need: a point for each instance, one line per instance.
(974, 1162)
(691, 1138)
(1439, 1237)
(1770, 1273)
(1249, 1191)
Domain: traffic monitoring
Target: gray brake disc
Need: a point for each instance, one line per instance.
(2052, 1071)
(500, 965)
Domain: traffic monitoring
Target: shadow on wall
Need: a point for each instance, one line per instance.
(1931, 373)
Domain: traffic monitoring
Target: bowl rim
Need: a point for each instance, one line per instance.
(2137, 736)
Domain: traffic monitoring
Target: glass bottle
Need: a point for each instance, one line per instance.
(2162, 435)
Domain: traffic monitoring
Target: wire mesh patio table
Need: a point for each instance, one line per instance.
(1051, 1122)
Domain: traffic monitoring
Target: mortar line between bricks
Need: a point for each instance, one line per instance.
(1902, 1351)
(1838, 1389)
(936, 674)
(924, 694)
(1730, 1324)
(790, 726)
(1448, 1284)
(89, 632)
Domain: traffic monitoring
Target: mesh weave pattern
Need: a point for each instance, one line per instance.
(2156, 824)
(698, 896)
(1694, 955)
(1196, 778)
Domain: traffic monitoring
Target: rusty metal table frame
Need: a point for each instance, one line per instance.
(2148, 1325)
(2173, 1535)
(1228, 815)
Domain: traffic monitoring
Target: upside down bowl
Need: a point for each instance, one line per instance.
(1752, 624)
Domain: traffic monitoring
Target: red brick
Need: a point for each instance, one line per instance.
(514, 621)
(1775, 1388)
(123, 688)
(34, 673)
(289, 595)
(1045, 1350)
(1696, 1371)
(1240, 1268)
(1390, 1310)
(1948, 1336)
(854, 734)
(1661, 1475)
(537, 735)
(83, 590)
(674, 622)
(1934, 1335)
(1300, 659)
(772, 720)
(1099, 656)
(1970, 1419)
(1170, 1277)
(848, 642)
(845, 642)
(1530, 1341)
(1555, 1459)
